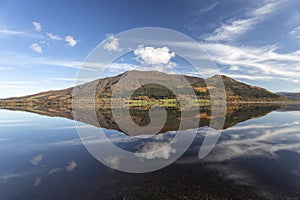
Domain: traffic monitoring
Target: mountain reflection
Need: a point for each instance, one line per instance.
(235, 114)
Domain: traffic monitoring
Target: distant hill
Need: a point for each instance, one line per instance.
(235, 91)
(290, 95)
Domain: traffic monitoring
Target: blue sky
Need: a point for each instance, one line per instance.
(43, 43)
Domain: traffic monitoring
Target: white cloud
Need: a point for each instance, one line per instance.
(296, 32)
(7, 33)
(71, 166)
(36, 48)
(235, 27)
(205, 10)
(154, 56)
(15, 60)
(36, 159)
(254, 62)
(249, 77)
(37, 26)
(234, 68)
(261, 61)
(70, 40)
(231, 30)
(53, 36)
(112, 44)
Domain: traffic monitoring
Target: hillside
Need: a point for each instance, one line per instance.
(290, 95)
(235, 91)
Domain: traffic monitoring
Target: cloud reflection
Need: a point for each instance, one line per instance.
(154, 150)
(37, 159)
(54, 171)
(38, 181)
(71, 166)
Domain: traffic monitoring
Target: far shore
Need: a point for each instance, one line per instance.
(130, 103)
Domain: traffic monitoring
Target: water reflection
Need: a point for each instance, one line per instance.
(235, 114)
(257, 157)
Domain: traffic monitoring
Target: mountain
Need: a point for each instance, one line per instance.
(290, 95)
(235, 91)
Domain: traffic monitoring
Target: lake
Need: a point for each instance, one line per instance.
(257, 157)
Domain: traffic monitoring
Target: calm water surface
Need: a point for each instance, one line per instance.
(42, 157)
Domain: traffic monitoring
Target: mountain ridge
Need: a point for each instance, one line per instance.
(235, 90)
